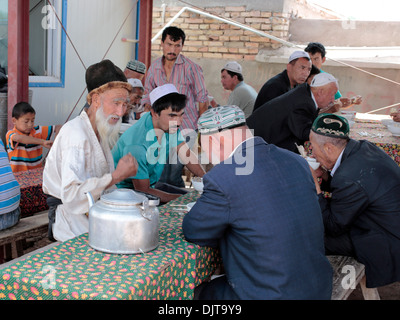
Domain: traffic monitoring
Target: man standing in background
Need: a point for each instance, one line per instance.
(187, 76)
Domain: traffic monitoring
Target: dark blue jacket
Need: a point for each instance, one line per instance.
(366, 203)
(273, 88)
(261, 210)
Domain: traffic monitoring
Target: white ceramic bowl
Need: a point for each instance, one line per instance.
(124, 127)
(312, 162)
(394, 129)
(349, 115)
(197, 183)
(387, 122)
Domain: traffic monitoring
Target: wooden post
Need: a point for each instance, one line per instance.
(18, 54)
(145, 31)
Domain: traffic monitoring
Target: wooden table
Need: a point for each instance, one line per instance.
(74, 270)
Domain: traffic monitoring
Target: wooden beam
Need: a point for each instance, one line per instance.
(18, 54)
(145, 31)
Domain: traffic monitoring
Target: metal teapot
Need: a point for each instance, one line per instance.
(123, 221)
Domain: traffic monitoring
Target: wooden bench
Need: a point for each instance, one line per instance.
(33, 227)
(347, 274)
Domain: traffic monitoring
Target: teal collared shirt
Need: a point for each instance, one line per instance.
(141, 141)
(338, 95)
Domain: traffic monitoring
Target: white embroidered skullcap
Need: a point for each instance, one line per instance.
(162, 91)
(135, 83)
(322, 79)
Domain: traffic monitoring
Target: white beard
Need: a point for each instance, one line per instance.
(108, 133)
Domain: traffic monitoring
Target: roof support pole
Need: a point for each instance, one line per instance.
(145, 31)
(18, 54)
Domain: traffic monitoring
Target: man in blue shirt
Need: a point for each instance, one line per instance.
(152, 139)
(10, 194)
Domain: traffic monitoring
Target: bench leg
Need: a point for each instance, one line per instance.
(369, 293)
(8, 252)
(19, 244)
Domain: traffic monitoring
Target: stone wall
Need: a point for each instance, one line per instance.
(210, 38)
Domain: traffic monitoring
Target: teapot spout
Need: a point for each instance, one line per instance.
(90, 199)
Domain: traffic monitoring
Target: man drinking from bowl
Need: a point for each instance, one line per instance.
(362, 218)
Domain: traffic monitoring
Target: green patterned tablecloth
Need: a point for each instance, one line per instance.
(73, 270)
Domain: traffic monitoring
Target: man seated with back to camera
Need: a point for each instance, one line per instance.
(260, 209)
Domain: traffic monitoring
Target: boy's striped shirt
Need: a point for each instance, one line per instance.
(27, 156)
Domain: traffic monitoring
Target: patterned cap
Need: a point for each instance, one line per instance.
(331, 125)
(220, 118)
(137, 66)
(135, 83)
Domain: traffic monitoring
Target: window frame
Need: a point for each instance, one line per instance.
(55, 81)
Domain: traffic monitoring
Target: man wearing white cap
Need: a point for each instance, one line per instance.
(152, 139)
(134, 106)
(296, 72)
(242, 95)
(187, 76)
(286, 120)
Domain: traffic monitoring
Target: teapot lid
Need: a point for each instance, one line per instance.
(123, 196)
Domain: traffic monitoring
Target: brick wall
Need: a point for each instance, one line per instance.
(210, 38)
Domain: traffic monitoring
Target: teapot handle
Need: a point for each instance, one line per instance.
(145, 210)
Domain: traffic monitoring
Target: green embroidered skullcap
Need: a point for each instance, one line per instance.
(331, 125)
(220, 118)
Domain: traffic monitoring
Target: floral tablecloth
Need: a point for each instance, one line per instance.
(377, 133)
(73, 270)
(33, 199)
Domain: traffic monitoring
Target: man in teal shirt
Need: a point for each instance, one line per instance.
(152, 139)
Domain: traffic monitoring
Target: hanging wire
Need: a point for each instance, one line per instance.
(289, 44)
(77, 53)
(66, 33)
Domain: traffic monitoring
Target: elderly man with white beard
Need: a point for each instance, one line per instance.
(80, 160)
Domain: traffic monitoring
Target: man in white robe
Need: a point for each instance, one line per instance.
(80, 159)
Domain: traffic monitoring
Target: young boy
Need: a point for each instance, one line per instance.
(25, 141)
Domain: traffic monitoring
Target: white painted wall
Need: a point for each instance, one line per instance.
(92, 26)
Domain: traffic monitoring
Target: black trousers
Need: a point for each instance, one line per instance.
(340, 245)
(53, 203)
